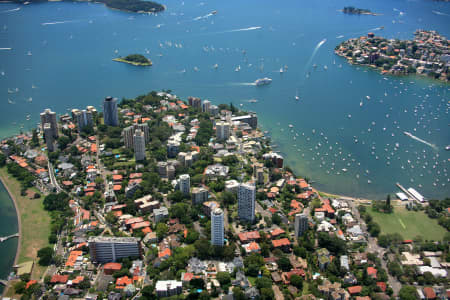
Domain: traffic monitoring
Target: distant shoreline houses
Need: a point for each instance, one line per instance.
(427, 54)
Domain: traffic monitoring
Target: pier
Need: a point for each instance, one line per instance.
(405, 191)
(2, 239)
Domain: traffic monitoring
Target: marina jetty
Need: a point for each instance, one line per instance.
(427, 54)
(5, 238)
(135, 60)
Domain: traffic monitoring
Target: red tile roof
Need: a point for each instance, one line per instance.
(277, 232)
(146, 230)
(59, 278)
(382, 286)
(429, 292)
(140, 225)
(371, 271)
(188, 276)
(355, 289)
(112, 266)
(134, 220)
(135, 175)
(78, 280)
(247, 236)
(117, 177)
(30, 283)
(281, 242)
(273, 210)
(253, 246)
(165, 252)
(123, 282)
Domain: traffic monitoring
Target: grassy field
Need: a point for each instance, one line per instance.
(35, 222)
(409, 224)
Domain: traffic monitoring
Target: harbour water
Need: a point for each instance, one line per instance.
(347, 127)
(8, 226)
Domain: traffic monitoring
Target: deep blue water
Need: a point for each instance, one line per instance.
(72, 45)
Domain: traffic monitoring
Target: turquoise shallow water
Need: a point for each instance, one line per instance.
(72, 45)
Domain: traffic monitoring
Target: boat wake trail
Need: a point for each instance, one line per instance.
(10, 10)
(439, 13)
(308, 64)
(244, 29)
(420, 140)
(230, 31)
(203, 17)
(59, 22)
(242, 84)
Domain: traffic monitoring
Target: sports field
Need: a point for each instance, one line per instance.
(409, 224)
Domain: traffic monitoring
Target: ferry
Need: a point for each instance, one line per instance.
(263, 81)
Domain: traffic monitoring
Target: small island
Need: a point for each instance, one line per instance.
(357, 11)
(136, 6)
(427, 54)
(135, 60)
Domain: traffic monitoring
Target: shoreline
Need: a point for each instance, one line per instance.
(19, 224)
(122, 60)
(380, 70)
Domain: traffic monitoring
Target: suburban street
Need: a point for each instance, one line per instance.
(372, 247)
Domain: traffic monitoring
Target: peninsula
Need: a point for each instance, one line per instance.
(159, 197)
(137, 6)
(357, 11)
(427, 54)
(135, 60)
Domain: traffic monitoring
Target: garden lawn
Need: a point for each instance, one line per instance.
(35, 223)
(409, 224)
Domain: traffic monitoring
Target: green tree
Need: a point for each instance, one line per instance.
(45, 256)
(284, 264)
(297, 281)
(267, 294)
(203, 248)
(276, 219)
(197, 283)
(228, 198)
(59, 202)
(148, 292)
(161, 230)
(263, 282)
(63, 141)
(192, 236)
(19, 287)
(34, 138)
(111, 218)
(2, 160)
(223, 278)
(408, 292)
